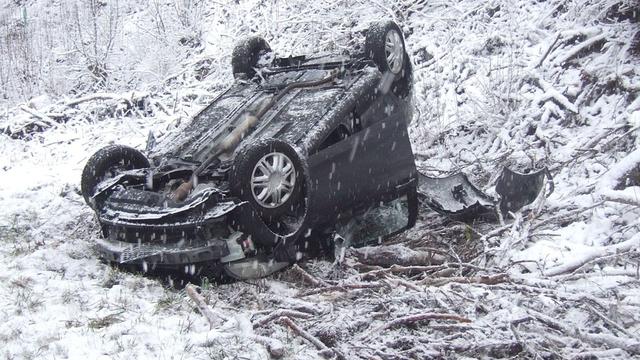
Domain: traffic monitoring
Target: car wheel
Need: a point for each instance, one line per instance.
(385, 46)
(246, 55)
(107, 163)
(268, 175)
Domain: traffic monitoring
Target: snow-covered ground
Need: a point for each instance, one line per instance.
(523, 84)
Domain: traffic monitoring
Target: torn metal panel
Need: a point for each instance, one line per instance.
(456, 197)
(517, 190)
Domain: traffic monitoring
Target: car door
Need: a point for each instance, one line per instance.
(367, 166)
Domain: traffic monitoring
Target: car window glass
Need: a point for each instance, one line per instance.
(377, 223)
(338, 134)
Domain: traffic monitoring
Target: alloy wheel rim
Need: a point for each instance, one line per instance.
(273, 180)
(394, 51)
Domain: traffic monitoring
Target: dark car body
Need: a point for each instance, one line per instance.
(350, 133)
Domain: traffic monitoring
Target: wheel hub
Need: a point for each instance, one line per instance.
(273, 180)
(394, 51)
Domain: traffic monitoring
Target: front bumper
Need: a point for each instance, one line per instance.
(157, 254)
(183, 239)
(215, 236)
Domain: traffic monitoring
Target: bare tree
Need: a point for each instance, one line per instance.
(19, 62)
(93, 28)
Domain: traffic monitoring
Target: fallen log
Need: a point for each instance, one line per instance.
(390, 255)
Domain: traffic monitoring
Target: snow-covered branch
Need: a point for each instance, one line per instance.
(592, 253)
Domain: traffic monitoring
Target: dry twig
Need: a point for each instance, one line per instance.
(549, 49)
(274, 346)
(344, 287)
(612, 342)
(487, 280)
(278, 314)
(324, 350)
(410, 319)
(205, 310)
(35, 113)
(310, 279)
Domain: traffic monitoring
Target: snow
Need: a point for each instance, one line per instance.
(481, 103)
(614, 175)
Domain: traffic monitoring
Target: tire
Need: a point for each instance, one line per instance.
(246, 54)
(378, 36)
(247, 178)
(105, 163)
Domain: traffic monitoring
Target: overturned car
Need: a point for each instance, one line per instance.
(294, 148)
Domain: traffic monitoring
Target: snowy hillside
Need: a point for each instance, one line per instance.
(524, 84)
